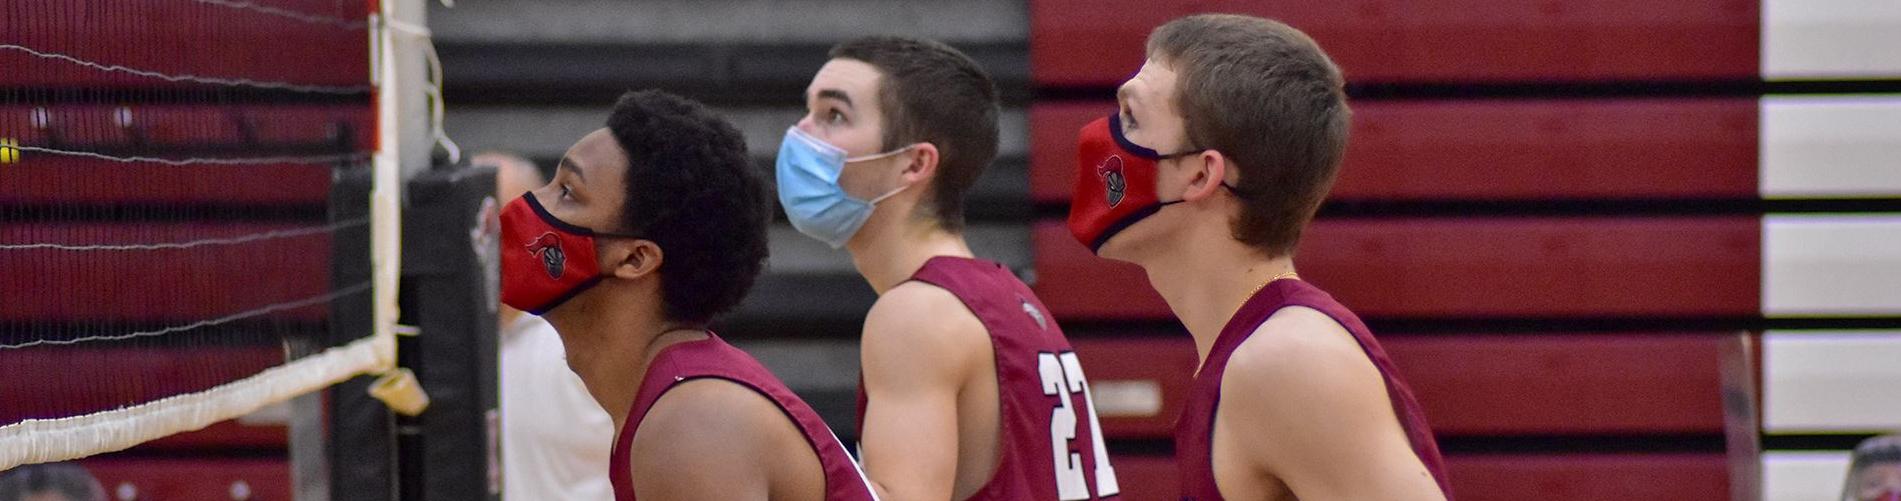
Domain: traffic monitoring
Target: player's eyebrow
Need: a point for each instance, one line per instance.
(835, 94)
(572, 166)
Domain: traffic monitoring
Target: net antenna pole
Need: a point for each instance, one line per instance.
(386, 192)
(398, 41)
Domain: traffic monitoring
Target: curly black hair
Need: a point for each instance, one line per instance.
(692, 190)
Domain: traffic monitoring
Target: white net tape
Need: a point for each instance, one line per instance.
(44, 440)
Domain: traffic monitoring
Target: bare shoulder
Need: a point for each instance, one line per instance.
(917, 320)
(916, 305)
(1317, 412)
(705, 432)
(1294, 345)
(705, 403)
(1302, 355)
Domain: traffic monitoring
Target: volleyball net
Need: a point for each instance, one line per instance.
(175, 248)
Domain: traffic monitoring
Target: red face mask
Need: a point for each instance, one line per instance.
(1885, 488)
(1115, 183)
(545, 261)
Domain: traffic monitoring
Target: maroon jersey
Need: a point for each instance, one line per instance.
(1049, 444)
(713, 358)
(1194, 434)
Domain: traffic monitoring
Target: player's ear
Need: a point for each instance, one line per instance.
(923, 165)
(1206, 172)
(632, 258)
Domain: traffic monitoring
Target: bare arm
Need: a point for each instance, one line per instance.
(1329, 431)
(715, 439)
(919, 345)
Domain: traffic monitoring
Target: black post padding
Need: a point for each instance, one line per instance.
(451, 451)
(361, 449)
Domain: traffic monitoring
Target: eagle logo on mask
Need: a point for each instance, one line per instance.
(1111, 173)
(548, 248)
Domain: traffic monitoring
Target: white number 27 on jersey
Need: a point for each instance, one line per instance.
(1062, 377)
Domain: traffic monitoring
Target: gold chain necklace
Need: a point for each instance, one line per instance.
(1275, 278)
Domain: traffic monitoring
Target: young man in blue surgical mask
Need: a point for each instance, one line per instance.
(970, 391)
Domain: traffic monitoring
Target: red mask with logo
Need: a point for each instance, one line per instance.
(545, 261)
(1115, 183)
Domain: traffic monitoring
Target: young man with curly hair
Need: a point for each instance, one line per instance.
(651, 227)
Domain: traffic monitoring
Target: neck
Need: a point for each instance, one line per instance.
(610, 345)
(1205, 288)
(507, 317)
(888, 254)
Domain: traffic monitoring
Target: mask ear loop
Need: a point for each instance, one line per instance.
(1224, 184)
(875, 156)
(890, 194)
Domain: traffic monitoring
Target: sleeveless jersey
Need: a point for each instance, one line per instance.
(713, 358)
(1194, 448)
(1050, 446)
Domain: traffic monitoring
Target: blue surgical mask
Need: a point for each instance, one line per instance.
(808, 170)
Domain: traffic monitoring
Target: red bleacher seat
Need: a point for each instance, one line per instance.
(187, 38)
(1565, 384)
(1465, 268)
(185, 125)
(197, 479)
(1513, 477)
(65, 381)
(1144, 477)
(1589, 477)
(1471, 385)
(80, 181)
(1497, 150)
(66, 180)
(221, 279)
(1096, 42)
(1163, 363)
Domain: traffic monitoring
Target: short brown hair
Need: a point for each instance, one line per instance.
(1264, 95)
(933, 93)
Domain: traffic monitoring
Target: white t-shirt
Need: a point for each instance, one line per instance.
(555, 437)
